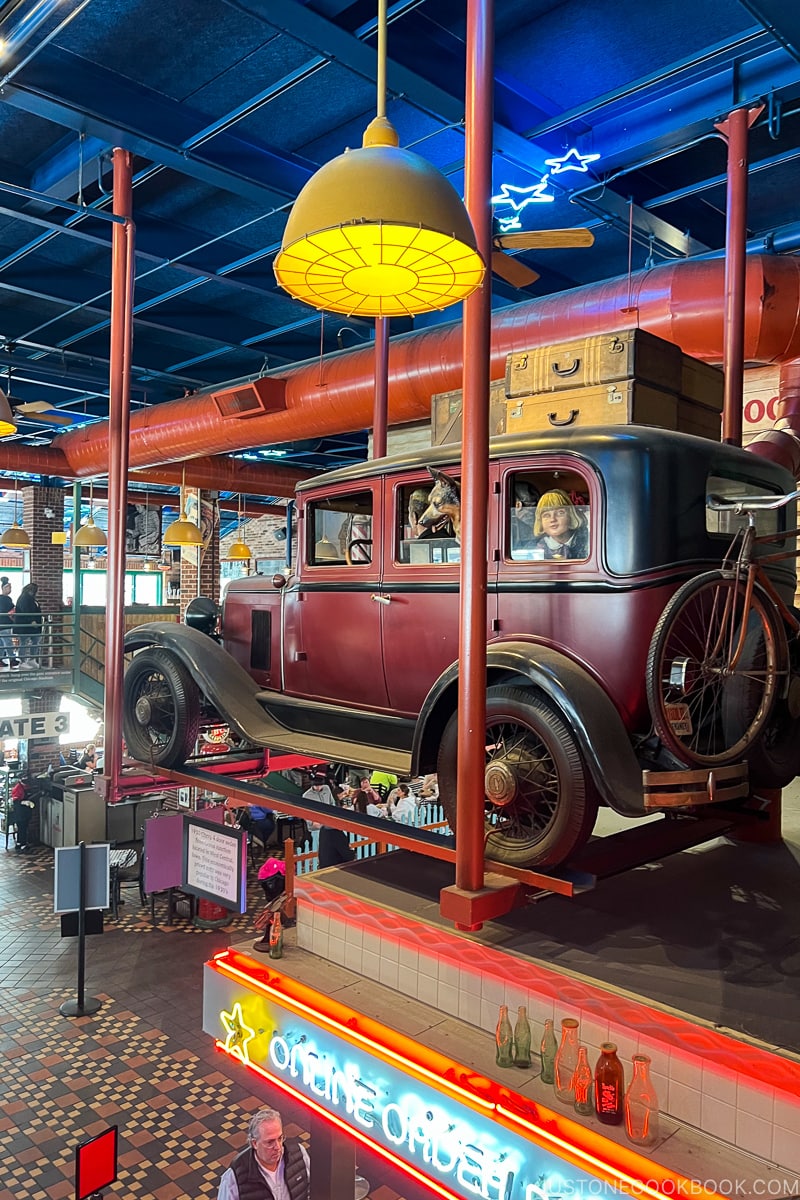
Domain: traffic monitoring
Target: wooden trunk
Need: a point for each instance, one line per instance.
(627, 402)
(588, 361)
(446, 408)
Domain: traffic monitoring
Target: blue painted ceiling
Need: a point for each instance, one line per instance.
(230, 105)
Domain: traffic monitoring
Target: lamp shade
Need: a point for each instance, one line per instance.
(239, 551)
(7, 423)
(325, 550)
(90, 534)
(379, 232)
(15, 537)
(182, 532)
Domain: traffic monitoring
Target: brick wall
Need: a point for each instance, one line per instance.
(47, 560)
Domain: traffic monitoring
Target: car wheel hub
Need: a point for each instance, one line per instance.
(143, 711)
(500, 782)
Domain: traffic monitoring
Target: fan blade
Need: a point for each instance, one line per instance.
(544, 239)
(513, 271)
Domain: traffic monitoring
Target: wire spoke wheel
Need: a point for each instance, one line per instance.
(713, 670)
(161, 714)
(539, 805)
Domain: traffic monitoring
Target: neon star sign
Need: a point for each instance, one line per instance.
(239, 1035)
(518, 198)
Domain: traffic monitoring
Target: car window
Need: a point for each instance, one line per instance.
(548, 516)
(339, 530)
(426, 531)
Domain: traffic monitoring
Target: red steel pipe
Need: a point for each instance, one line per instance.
(470, 791)
(735, 131)
(122, 273)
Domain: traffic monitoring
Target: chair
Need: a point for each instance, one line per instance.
(126, 870)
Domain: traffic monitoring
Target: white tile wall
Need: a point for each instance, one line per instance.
(751, 1115)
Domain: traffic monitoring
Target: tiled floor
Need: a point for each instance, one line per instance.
(141, 1062)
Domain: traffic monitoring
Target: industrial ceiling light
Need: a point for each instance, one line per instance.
(15, 537)
(182, 532)
(379, 231)
(90, 535)
(239, 551)
(7, 424)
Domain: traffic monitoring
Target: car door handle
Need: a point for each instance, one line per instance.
(381, 599)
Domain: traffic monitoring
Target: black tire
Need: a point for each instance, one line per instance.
(534, 767)
(774, 760)
(161, 711)
(705, 711)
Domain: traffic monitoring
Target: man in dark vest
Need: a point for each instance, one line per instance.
(271, 1167)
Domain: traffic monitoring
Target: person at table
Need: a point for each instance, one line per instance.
(403, 806)
(365, 804)
(253, 818)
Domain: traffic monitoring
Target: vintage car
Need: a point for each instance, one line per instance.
(352, 654)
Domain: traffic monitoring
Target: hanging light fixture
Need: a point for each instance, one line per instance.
(379, 231)
(183, 532)
(15, 537)
(324, 550)
(90, 535)
(7, 424)
(239, 550)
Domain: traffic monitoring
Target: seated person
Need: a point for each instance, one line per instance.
(403, 807)
(369, 791)
(88, 760)
(260, 821)
(383, 782)
(560, 529)
(362, 803)
(430, 788)
(523, 515)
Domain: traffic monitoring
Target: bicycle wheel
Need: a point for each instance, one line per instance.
(706, 709)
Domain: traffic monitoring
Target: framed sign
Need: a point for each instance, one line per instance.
(96, 1163)
(143, 529)
(215, 863)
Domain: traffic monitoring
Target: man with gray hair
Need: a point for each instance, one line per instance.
(271, 1167)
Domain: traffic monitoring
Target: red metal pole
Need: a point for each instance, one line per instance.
(379, 415)
(475, 460)
(735, 130)
(122, 269)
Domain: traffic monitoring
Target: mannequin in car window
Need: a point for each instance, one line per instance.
(560, 530)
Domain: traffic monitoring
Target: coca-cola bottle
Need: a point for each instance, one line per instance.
(276, 937)
(504, 1037)
(566, 1062)
(583, 1080)
(609, 1086)
(548, 1051)
(641, 1105)
(522, 1039)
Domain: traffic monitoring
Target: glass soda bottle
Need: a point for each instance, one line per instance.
(584, 1101)
(522, 1039)
(276, 937)
(504, 1037)
(609, 1086)
(548, 1050)
(567, 1061)
(641, 1105)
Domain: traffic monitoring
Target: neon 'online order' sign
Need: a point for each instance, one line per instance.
(434, 1127)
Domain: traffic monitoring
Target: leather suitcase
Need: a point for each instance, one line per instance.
(624, 403)
(446, 413)
(602, 358)
(702, 382)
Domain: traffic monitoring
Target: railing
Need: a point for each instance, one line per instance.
(429, 816)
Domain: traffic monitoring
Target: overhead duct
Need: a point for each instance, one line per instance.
(681, 302)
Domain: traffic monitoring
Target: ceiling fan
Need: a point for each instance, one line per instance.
(517, 273)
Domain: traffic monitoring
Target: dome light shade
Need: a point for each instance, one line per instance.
(7, 424)
(239, 551)
(182, 532)
(379, 232)
(90, 535)
(15, 537)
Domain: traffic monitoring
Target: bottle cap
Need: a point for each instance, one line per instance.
(609, 1047)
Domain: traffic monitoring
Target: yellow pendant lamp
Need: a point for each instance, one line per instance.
(183, 532)
(7, 424)
(379, 231)
(239, 551)
(15, 537)
(90, 536)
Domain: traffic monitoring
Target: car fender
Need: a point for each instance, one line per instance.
(601, 735)
(220, 678)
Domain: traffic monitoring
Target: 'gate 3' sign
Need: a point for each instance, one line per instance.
(34, 725)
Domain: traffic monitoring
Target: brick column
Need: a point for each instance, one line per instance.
(47, 560)
(209, 556)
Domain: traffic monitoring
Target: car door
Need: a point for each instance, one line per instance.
(420, 591)
(332, 624)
